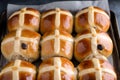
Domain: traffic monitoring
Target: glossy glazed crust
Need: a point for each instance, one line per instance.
(27, 18)
(82, 48)
(106, 43)
(25, 33)
(49, 75)
(22, 75)
(27, 44)
(62, 32)
(101, 20)
(88, 64)
(48, 46)
(50, 21)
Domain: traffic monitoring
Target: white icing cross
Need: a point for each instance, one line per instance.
(21, 14)
(93, 31)
(15, 69)
(97, 69)
(57, 18)
(57, 67)
(94, 10)
(57, 37)
(58, 12)
(91, 11)
(98, 56)
(17, 42)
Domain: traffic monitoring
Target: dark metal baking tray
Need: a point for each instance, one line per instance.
(113, 32)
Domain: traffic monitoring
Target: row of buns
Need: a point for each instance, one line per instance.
(61, 19)
(58, 68)
(90, 46)
(23, 42)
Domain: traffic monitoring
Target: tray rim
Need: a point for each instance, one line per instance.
(116, 35)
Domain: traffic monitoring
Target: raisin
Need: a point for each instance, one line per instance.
(24, 46)
(100, 47)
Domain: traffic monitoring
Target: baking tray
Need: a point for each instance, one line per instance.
(113, 32)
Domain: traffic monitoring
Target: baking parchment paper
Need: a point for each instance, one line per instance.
(73, 6)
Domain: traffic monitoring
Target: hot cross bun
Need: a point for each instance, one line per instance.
(27, 18)
(96, 69)
(57, 43)
(90, 44)
(56, 68)
(21, 44)
(56, 19)
(92, 16)
(18, 70)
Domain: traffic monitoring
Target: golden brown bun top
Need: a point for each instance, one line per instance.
(101, 20)
(100, 36)
(45, 12)
(93, 66)
(89, 64)
(64, 63)
(34, 10)
(27, 18)
(27, 45)
(56, 68)
(22, 64)
(97, 34)
(25, 33)
(18, 70)
(62, 32)
(29, 9)
(56, 19)
(87, 45)
(95, 8)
